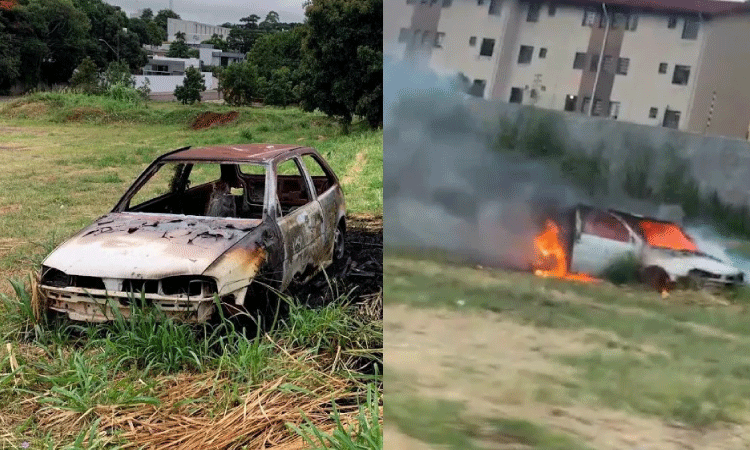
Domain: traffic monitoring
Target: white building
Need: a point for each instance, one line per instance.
(195, 32)
(673, 63)
(211, 56)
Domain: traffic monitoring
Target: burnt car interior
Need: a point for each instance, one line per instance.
(230, 193)
(225, 190)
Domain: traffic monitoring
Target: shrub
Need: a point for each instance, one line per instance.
(624, 270)
(190, 90)
(279, 90)
(239, 83)
(86, 77)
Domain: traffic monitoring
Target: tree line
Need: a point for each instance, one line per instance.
(332, 62)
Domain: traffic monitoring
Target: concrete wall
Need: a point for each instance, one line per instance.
(167, 83)
(717, 163)
(195, 32)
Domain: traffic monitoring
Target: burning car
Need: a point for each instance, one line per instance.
(586, 241)
(222, 221)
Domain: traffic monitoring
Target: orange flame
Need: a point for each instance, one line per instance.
(551, 260)
(666, 235)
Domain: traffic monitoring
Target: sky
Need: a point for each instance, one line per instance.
(218, 12)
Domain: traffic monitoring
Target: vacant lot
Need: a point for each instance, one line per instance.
(66, 160)
(483, 358)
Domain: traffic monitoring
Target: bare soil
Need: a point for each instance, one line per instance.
(210, 119)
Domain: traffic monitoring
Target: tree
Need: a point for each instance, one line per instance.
(273, 51)
(279, 88)
(271, 22)
(178, 48)
(190, 90)
(217, 42)
(251, 21)
(342, 70)
(64, 31)
(147, 31)
(239, 83)
(161, 21)
(118, 73)
(242, 39)
(147, 15)
(86, 77)
(10, 58)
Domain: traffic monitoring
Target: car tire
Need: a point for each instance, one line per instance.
(657, 278)
(339, 243)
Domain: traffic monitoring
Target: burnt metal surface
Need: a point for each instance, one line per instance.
(230, 153)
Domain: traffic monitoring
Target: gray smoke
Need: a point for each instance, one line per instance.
(444, 186)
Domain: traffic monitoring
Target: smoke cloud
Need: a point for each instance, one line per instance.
(444, 186)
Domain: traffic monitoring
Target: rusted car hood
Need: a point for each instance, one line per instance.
(148, 246)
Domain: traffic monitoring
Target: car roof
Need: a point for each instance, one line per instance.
(251, 153)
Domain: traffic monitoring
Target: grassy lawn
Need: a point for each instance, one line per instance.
(568, 358)
(67, 159)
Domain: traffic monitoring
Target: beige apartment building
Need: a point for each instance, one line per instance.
(683, 64)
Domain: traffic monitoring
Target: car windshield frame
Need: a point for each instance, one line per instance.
(123, 205)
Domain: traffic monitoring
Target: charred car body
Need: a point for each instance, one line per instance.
(198, 223)
(596, 239)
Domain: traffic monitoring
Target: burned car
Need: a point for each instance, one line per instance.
(596, 239)
(198, 224)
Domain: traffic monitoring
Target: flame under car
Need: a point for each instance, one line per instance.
(591, 240)
(200, 224)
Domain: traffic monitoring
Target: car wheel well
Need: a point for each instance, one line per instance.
(656, 277)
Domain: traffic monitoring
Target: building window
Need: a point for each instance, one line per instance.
(690, 29)
(516, 95)
(594, 66)
(672, 22)
(477, 88)
(533, 14)
(597, 110)
(632, 24)
(618, 20)
(671, 119)
(681, 75)
(614, 109)
(414, 38)
(591, 18)
(447, 3)
(472, 41)
(622, 66)
(488, 46)
(403, 35)
(542, 53)
(524, 56)
(608, 64)
(652, 113)
(585, 104)
(439, 38)
(663, 67)
(495, 7)
(552, 9)
(579, 61)
(425, 37)
(570, 102)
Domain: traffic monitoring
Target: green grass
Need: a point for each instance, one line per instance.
(447, 424)
(672, 359)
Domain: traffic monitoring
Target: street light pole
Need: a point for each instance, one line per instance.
(117, 52)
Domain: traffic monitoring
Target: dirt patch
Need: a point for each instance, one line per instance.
(393, 438)
(24, 130)
(210, 119)
(495, 366)
(9, 209)
(85, 113)
(359, 163)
